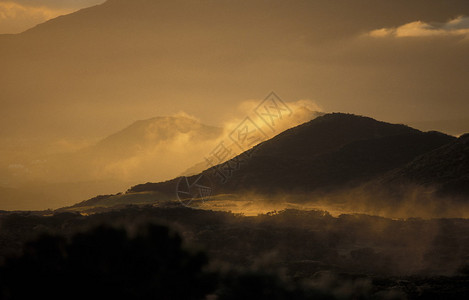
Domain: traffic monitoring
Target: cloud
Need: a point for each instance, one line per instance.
(17, 16)
(455, 27)
(12, 10)
(294, 114)
(58, 4)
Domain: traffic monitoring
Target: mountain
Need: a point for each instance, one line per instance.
(152, 148)
(155, 132)
(157, 149)
(445, 169)
(299, 116)
(450, 126)
(330, 153)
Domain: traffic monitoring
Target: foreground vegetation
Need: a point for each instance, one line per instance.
(291, 254)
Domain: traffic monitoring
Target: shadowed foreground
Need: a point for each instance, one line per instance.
(289, 254)
(110, 263)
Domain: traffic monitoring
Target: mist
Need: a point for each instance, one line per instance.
(238, 149)
(64, 172)
(70, 82)
(411, 201)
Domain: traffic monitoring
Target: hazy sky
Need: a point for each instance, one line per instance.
(19, 15)
(102, 68)
(75, 79)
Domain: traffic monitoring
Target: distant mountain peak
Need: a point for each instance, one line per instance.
(160, 129)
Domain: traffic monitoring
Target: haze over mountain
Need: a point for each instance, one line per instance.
(330, 154)
(152, 148)
(287, 149)
(155, 149)
(67, 83)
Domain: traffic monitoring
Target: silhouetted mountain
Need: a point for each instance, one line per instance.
(331, 152)
(299, 116)
(445, 169)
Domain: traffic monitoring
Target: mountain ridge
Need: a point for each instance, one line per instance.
(445, 169)
(292, 159)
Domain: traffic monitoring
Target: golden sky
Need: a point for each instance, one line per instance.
(100, 69)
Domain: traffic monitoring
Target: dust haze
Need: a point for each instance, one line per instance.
(128, 169)
(70, 82)
(155, 149)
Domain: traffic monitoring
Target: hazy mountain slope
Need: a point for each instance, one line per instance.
(154, 132)
(329, 153)
(152, 149)
(445, 169)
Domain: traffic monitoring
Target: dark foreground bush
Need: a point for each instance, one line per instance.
(107, 263)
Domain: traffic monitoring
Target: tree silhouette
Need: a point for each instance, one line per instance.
(107, 263)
